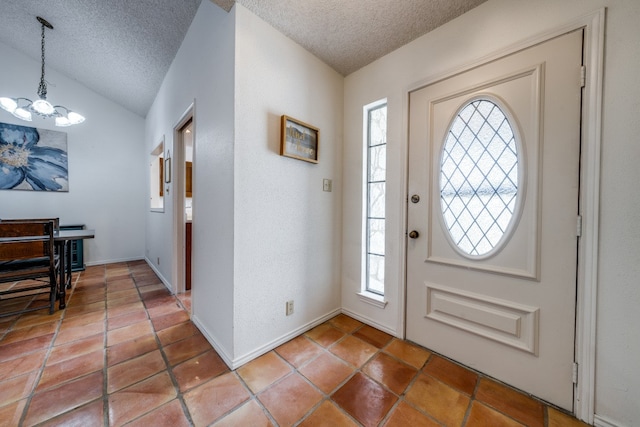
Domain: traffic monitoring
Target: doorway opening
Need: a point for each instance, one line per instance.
(187, 138)
(184, 155)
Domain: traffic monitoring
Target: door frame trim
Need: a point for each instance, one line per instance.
(179, 233)
(593, 25)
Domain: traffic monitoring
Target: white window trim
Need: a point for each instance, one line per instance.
(373, 299)
(364, 294)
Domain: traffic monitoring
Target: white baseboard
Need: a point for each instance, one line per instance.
(148, 261)
(239, 361)
(112, 261)
(166, 283)
(235, 363)
(222, 352)
(600, 421)
(371, 322)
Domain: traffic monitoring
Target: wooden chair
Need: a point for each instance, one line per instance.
(56, 227)
(27, 263)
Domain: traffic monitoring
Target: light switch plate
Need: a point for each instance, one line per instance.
(326, 185)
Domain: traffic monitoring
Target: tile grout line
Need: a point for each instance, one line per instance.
(104, 396)
(419, 371)
(169, 368)
(294, 370)
(16, 317)
(482, 376)
(105, 368)
(472, 396)
(471, 400)
(401, 396)
(32, 393)
(357, 370)
(328, 396)
(324, 350)
(360, 370)
(42, 367)
(252, 396)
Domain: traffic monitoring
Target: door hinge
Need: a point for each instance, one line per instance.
(575, 373)
(579, 226)
(583, 76)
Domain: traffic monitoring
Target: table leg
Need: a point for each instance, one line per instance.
(62, 283)
(68, 263)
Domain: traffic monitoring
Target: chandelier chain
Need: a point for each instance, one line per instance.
(42, 87)
(24, 108)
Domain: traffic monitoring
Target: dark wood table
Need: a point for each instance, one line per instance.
(62, 240)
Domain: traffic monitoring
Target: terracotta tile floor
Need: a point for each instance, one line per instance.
(124, 352)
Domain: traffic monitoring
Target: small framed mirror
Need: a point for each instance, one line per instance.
(167, 168)
(157, 169)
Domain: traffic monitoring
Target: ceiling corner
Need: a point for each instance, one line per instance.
(225, 4)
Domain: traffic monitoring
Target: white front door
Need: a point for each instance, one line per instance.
(492, 217)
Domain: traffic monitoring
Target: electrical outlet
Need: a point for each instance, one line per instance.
(289, 308)
(326, 185)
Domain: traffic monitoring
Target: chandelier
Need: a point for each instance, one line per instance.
(22, 108)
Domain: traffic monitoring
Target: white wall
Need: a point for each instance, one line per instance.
(201, 71)
(264, 232)
(287, 230)
(106, 175)
(492, 26)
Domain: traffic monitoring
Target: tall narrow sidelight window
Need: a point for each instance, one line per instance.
(376, 159)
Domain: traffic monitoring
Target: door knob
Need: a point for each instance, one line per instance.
(415, 198)
(414, 234)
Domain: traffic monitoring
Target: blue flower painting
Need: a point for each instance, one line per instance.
(33, 159)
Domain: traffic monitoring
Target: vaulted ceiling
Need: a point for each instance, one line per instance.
(122, 49)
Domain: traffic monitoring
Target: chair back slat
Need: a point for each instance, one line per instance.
(56, 221)
(34, 239)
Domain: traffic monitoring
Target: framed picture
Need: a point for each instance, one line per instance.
(33, 159)
(299, 140)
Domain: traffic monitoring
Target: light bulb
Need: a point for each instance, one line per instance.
(23, 114)
(62, 121)
(8, 104)
(75, 118)
(42, 106)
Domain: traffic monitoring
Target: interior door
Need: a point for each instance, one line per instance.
(492, 217)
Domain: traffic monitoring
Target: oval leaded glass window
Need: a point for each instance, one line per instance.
(479, 178)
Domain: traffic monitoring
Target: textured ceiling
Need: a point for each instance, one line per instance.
(122, 49)
(349, 34)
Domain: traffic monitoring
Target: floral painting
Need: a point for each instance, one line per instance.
(33, 159)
